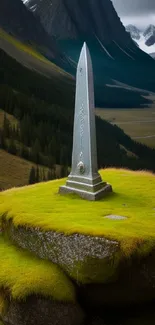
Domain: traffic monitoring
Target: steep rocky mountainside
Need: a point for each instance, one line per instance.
(115, 56)
(22, 25)
(149, 35)
(134, 31)
(153, 55)
(16, 19)
(144, 39)
(71, 19)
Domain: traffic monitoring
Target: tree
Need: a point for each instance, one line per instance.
(6, 126)
(2, 140)
(12, 147)
(32, 176)
(36, 150)
(50, 174)
(43, 177)
(37, 175)
(63, 171)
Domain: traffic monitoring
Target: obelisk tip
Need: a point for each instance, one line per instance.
(84, 48)
(83, 55)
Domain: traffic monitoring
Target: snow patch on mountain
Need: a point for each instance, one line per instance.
(144, 39)
(134, 32)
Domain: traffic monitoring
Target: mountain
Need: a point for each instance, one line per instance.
(116, 58)
(149, 35)
(153, 55)
(145, 39)
(28, 43)
(17, 20)
(134, 31)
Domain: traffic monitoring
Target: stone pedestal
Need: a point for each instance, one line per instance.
(89, 189)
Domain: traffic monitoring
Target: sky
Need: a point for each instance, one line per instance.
(138, 12)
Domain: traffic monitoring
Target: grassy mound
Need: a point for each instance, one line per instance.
(23, 275)
(134, 197)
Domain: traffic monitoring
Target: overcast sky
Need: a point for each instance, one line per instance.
(138, 12)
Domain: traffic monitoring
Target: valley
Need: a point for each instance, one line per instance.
(139, 124)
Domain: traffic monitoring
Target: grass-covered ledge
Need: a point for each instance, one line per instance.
(23, 275)
(102, 255)
(134, 197)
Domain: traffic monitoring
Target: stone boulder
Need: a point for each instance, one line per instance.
(41, 311)
(85, 259)
(101, 274)
(134, 284)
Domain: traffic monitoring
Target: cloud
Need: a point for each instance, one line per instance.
(134, 7)
(140, 21)
(138, 12)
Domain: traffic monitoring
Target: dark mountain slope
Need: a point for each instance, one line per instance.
(16, 19)
(115, 56)
(20, 22)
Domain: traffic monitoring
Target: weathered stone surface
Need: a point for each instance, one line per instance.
(135, 284)
(91, 262)
(73, 253)
(39, 311)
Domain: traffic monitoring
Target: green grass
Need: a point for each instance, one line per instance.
(23, 274)
(134, 197)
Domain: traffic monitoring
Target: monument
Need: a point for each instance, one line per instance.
(84, 178)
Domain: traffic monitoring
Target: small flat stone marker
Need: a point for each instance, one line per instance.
(113, 217)
(84, 178)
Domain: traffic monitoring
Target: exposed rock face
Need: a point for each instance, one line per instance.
(135, 283)
(149, 35)
(102, 277)
(41, 311)
(134, 31)
(71, 19)
(153, 55)
(144, 39)
(76, 254)
(16, 19)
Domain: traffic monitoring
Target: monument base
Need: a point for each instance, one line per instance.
(86, 194)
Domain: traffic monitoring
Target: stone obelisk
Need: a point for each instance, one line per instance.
(84, 178)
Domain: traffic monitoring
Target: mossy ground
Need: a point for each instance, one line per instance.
(133, 197)
(22, 275)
